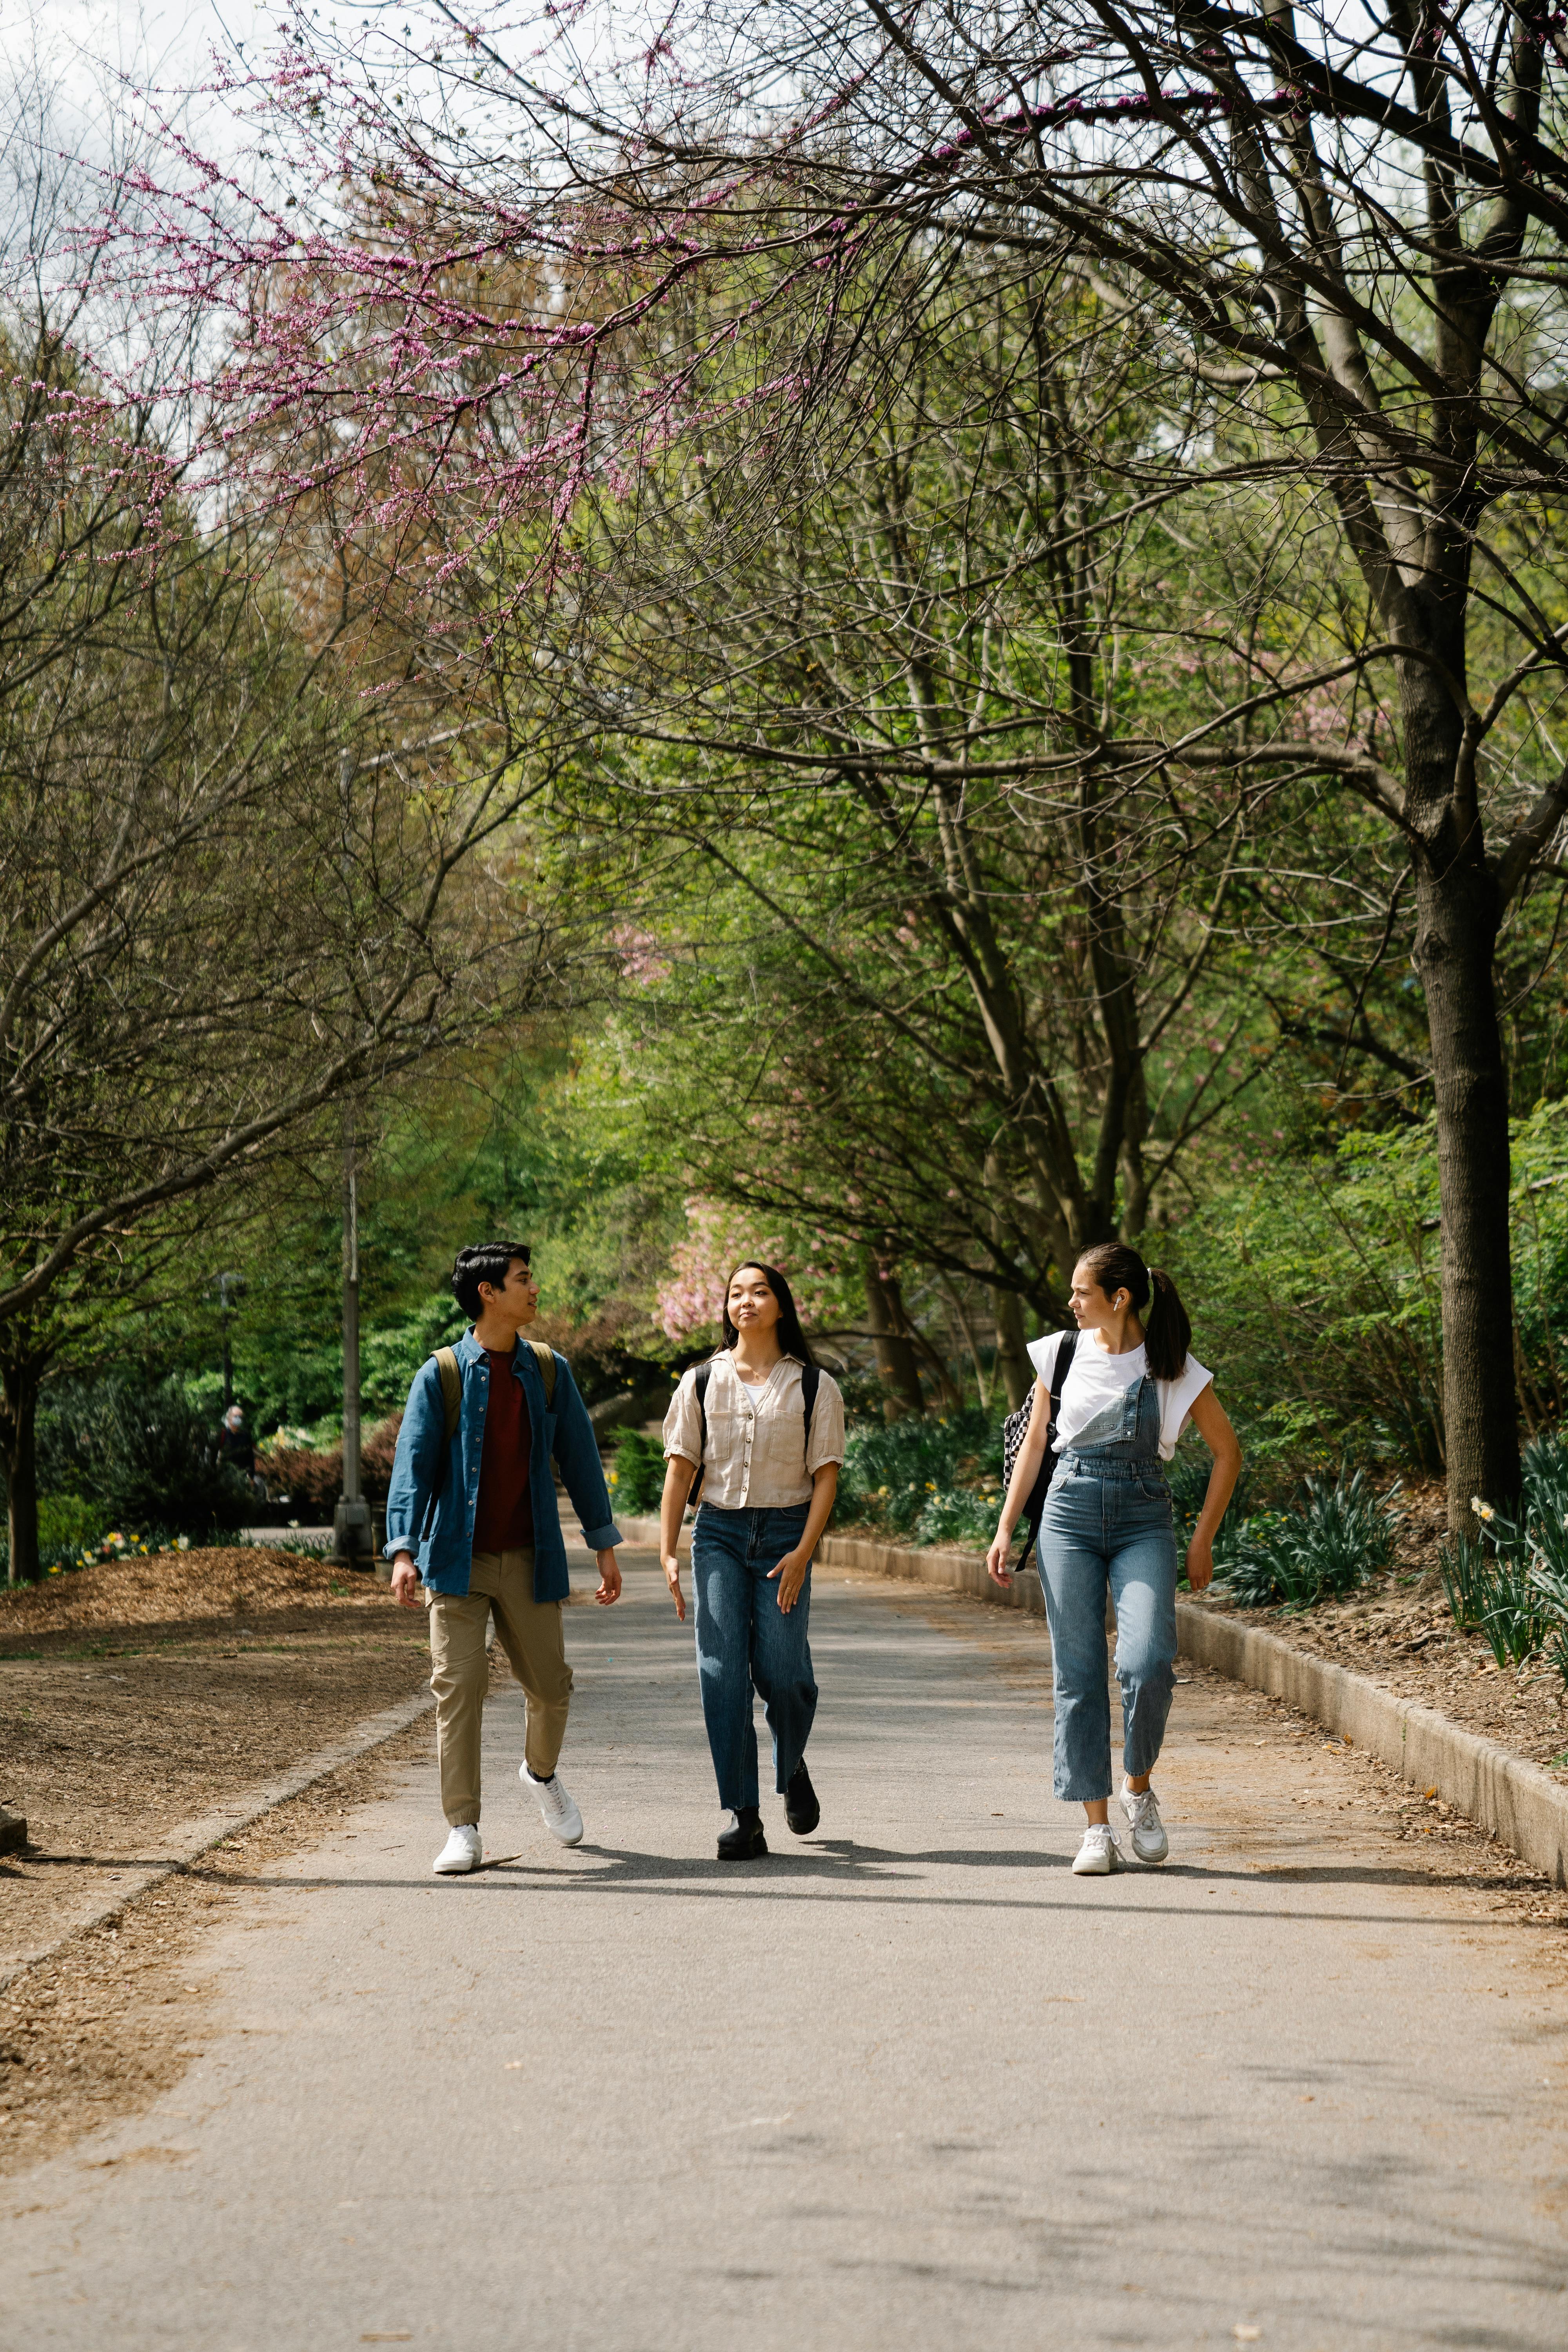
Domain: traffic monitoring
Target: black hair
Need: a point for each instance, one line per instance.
(792, 1338)
(1167, 1328)
(485, 1261)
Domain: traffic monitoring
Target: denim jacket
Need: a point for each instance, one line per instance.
(430, 1511)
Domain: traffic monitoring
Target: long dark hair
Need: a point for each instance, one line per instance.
(1167, 1328)
(792, 1338)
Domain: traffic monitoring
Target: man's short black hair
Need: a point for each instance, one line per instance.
(490, 1261)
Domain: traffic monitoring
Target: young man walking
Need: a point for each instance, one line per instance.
(471, 1512)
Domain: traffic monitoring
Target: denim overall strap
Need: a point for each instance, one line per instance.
(1120, 1443)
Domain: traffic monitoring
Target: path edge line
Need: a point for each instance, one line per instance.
(244, 1811)
(1504, 1795)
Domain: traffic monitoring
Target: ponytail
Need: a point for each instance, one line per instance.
(1167, 1329)
(1167, 1326)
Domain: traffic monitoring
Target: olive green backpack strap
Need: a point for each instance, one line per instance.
(545, 1359)
(451, 1388)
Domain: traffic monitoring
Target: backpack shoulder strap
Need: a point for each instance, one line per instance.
(545, 1359)
(451, 1388)
(1066, 1348)
(700, 1380)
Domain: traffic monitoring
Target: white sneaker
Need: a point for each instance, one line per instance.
(1098, 1853)
(561, 1818)
(1141, 1806)
(462, 1851)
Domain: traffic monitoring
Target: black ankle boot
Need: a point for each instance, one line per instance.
(802, 1810)
(746, 1839)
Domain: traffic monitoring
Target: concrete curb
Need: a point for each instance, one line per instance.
(246, 1807)
(1514, 1801)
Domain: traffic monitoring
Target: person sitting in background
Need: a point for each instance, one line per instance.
(234, 1445)
(471, 1512)
(237, 1448)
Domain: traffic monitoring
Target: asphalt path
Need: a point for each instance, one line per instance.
(907, 2083)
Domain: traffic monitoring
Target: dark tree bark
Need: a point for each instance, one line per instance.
(896, 1361)
(1012, 1352)
(21, 1374)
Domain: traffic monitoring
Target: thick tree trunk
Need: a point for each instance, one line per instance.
(1454, 948)
(18, 1451)
(1012, 1349)
(1456, 915)
(896, 1358)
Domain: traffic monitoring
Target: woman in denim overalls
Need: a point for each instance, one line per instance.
(1107, 1530)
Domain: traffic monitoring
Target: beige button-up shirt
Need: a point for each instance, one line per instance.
(755, 1458)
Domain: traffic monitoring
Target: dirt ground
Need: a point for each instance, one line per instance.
(1398, 1633)
(136, 1695)
(99, 2031)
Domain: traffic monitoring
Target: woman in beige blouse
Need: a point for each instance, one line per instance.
(741, 1422)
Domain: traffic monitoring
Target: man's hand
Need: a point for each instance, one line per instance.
(790, 1575)
(1200, 1562)
(609, 1577)
(406, 1580)
(671, 1563)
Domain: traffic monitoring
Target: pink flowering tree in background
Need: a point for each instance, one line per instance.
(718, 1238)
(498, 270)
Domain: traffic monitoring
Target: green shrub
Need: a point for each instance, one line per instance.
(1314, 1285)
(1188, 1478)
(1342, 1533)
(1510, 1580)
(960, 1515)
(68, 1524)
(144, 1456)
(925, 1473)
(635, 1476)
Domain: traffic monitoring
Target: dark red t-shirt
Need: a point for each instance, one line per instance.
(504, 1518)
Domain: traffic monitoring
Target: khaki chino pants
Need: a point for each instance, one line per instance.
(530, 1633)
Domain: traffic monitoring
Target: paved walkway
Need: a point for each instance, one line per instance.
(908, 2085)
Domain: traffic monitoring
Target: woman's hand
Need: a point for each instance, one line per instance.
(671, 1563)
(996, 1557)
(1200, 1562)
(789, 1576)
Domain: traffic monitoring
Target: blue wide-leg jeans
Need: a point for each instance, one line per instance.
(1107, 1528)
(746, 1642)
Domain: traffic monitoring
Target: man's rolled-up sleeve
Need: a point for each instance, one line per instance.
(582, 1471)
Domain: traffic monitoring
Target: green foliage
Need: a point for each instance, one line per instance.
(1342, 1533)
(143, 1455)
(636, 1477)
(936, 1479)
(68, 1528)
(1314, 1287)
(1510, 1580)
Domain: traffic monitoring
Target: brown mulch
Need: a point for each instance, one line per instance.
(114, 2019)
(135, 1696)
(1398, 1633)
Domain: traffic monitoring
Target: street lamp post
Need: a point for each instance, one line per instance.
(229, 1287)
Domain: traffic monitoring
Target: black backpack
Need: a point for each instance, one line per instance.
(1015, 1428)
(810, 1381)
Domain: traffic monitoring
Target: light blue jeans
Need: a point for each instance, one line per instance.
(745, 1642)
(1107, 1528)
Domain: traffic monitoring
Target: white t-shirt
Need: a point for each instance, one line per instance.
(1096, 1379)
